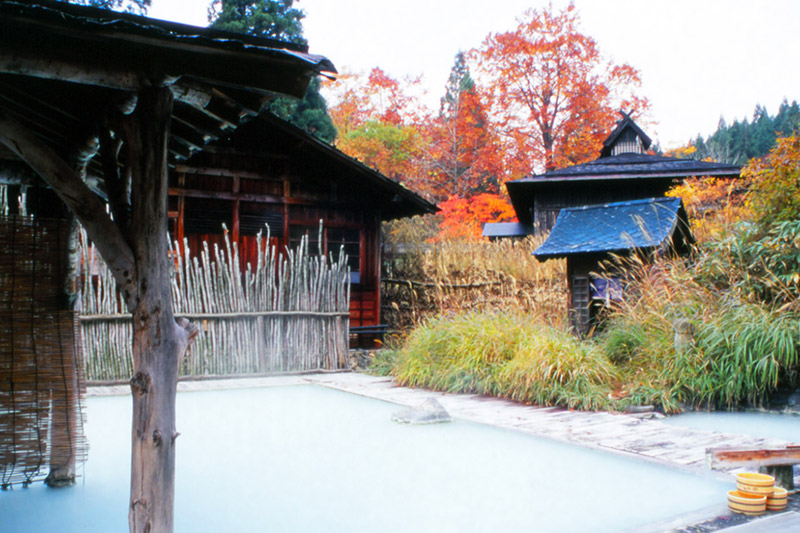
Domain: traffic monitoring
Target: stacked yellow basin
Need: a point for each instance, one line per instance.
(777, 500)
(755, 493)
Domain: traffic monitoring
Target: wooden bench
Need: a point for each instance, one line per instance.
(777, 462)
(367, 336)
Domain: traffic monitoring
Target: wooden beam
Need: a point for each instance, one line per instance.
(224, 172)
(17, 173)
(729, 457)
(76, 194)
(225, 195)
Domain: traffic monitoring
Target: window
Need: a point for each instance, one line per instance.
(349, 241)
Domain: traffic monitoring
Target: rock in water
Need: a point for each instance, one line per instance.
(430, 412)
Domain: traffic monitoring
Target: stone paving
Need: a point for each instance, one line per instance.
(632, 435)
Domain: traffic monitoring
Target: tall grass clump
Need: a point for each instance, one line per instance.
(505, 355)
(552, 367)
(678, 341)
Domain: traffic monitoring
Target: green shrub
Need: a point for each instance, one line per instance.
(742, 350)
(505, 355)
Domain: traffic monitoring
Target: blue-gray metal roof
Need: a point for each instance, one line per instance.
(614, 227)
(506, 229)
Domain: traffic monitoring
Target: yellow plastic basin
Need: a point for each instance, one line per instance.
(777, 500)
(753, 478)
(752, 483)
(748, 504)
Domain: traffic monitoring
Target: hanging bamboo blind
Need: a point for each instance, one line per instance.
(41, 415)
(288, 312)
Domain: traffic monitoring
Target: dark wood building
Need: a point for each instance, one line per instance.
(590, 235)
(269, 172)
(624, 171)
(95, 105)
(615, 204)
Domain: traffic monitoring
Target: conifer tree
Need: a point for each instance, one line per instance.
(277, 19)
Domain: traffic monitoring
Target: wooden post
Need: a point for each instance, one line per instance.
(158, 341)
(65, 409)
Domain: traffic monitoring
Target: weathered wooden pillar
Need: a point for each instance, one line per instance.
(158, 341)
(65, 405)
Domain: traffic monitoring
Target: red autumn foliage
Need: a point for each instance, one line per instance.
(555, 97)
(463, 218)
(464, 152)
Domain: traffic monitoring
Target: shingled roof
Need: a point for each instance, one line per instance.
(617, 227)
(627, 166)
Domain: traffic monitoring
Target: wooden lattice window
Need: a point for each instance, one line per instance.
(581, 299)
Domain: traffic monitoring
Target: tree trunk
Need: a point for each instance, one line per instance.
(158, 342)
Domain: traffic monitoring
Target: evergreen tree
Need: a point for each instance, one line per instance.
(458, 82)
(787, 121)
(742, 141)
(762, 138)
(277, 19)
(271, 19)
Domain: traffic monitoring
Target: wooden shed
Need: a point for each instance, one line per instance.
(271, 173)
(590, 235)
(623, 171)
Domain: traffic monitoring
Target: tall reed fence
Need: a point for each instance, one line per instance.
(430, 279)
(287, 313)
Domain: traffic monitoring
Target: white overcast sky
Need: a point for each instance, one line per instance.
(699, 59)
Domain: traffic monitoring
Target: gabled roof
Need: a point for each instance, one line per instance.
(623, 126)
(270, 136)
(617, 227)
(631, 165)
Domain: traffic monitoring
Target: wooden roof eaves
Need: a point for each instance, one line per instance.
(354, 164)
(50, 40)
(626, 176)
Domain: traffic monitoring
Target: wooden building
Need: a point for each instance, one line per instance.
(615, 204)
(623, 171)
(589, 236)
(269, 172)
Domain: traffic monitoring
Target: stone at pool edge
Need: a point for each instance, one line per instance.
(430, 412)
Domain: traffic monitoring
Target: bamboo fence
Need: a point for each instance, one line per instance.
(287, 313)
(454, 276)
(41, 411)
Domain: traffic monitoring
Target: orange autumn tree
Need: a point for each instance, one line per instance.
(464, 158)
(712, 203)
(379, 124)
(463, 218)
(555, 97)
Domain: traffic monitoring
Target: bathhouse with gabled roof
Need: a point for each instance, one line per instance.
(614, 205)
(623, 171)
